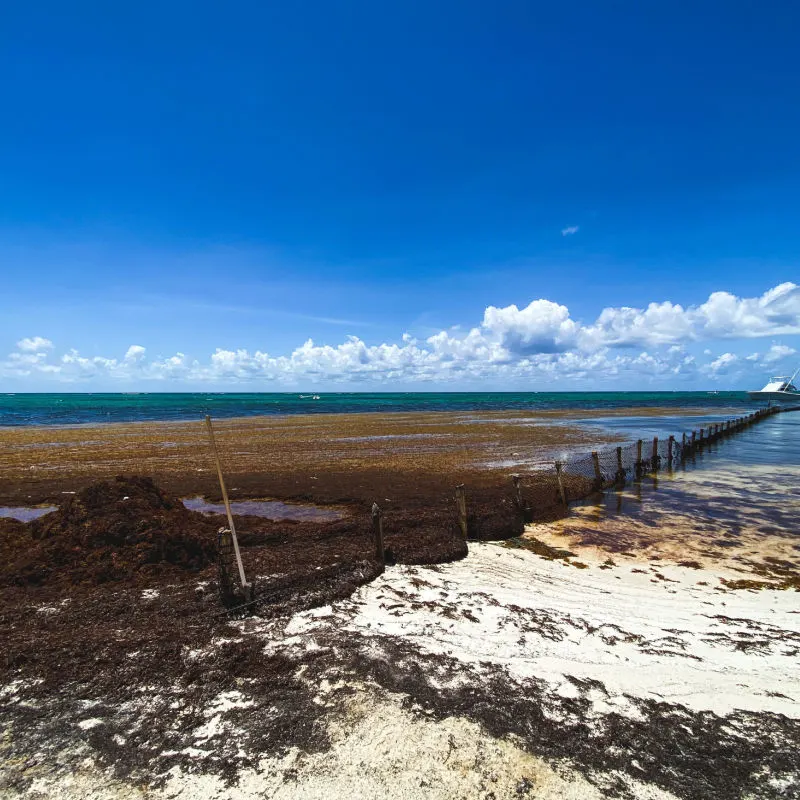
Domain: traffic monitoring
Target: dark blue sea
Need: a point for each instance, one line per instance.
(89, 409)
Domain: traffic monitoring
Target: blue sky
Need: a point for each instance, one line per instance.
(228, 182)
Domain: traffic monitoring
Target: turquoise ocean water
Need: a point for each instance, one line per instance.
(87, 409)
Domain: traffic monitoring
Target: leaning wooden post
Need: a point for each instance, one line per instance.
(461, 503)
(561, 491)
(598, 476)
(654, 460)
(377, 534)
(245, 585)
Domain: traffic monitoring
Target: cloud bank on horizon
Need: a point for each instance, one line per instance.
(539, 343)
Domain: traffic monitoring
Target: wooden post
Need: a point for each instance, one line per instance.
(517, 490)
(242, 579)
(683, 444)
(461, 503)
(694, 439)
(561, 491)
(598, 476)
(620, 468)
(639, 458)
(670, 443)
(701, 437)
(654, 460)
(377, 533)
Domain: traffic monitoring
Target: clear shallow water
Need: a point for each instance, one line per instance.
(25, 513)
(772, 441)
(739, 498)
(83, 409)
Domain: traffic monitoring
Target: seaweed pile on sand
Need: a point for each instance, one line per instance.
(111, 531)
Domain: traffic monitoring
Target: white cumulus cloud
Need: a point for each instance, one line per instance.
(537, 343)
(778, 352)
(723, 364)
(135, 353)
(34, 344)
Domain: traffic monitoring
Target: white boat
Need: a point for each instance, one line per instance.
(780, 389)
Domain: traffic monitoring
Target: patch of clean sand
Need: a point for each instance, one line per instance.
(654, 634)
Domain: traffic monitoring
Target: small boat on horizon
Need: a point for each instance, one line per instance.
(779, 389)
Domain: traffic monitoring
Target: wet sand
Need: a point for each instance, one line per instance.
(735, 509)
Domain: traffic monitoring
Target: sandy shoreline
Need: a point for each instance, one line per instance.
(499, 671)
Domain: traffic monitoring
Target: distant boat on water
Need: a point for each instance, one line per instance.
(779, 389)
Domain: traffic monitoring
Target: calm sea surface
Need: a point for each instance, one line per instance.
(84, 409)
